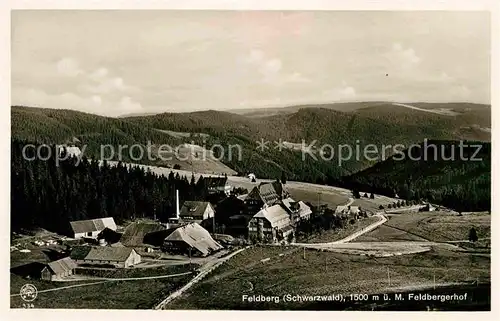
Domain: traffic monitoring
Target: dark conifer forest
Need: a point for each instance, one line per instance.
(50, 196)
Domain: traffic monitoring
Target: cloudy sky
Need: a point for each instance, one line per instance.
(119, 62)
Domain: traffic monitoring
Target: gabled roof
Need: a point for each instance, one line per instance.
(273, 214)
(345, 209)
(264, 192)
(196, 237)
(95, 225)
(268, 193)
(61, 266)
(280, 188)
(212, 181)
(296, 207)
(194, 209)
(242, 197)
(79, 252)
(105, 253)
(101, 253)
(136, 233)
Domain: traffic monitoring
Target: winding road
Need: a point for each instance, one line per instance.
(371, 227)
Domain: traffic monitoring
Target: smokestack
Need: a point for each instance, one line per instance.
(177, 212)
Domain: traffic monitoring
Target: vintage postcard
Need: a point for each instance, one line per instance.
(285, 159)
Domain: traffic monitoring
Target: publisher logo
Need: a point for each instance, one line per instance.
(28, 292)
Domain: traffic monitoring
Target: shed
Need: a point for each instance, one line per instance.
(120, 257)
(91, 228)
(58, 270)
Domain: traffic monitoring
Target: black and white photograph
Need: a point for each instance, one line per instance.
(269, 160)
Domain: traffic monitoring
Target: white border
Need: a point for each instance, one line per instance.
(6, 6)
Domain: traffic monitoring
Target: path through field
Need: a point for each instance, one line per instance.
(104, 280)
(204, 271)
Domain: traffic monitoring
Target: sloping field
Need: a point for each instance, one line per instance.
(133, 294)
(326, 273)
(338, 234)
(381, 249)
(432, 226)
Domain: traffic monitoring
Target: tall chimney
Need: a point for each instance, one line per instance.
(177, 212)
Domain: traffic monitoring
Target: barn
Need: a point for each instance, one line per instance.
(271, 224)
(58, 270)
(91, 228)
(217, 185)
(119, 257)
(193, 211)
(190, 238)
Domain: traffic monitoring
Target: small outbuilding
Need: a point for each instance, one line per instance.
(91, 228)
(119, 257)
(190, 238)
(58, 270)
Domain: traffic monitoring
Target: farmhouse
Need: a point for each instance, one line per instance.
(347, 210)
(271, 224)
(91, 228)
(217, 185)
(266, 194)
(197, 212)
(427, 208)
(190, 238)
(298, 211)
(140, 233)
(58, 270)
(119, 257)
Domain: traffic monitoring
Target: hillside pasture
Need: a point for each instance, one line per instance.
(323, 273)
(433, 226)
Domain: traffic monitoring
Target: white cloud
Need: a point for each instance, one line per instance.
(128, 105)
(298, 78)
(92, 104)
(400, 61)
(460, 92)
(271, 69)
(68, 67)
(444, 77)
(99, 74)
(106, 85)
(344, 92)
(404, 56)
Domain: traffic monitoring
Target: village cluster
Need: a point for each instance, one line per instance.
(267, 214)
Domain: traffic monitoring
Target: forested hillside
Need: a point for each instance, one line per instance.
(49, 196)
(361, 124)
(463, 183)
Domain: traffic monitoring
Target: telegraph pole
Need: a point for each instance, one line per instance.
(388, 276)
(190, 257)
(304, 253)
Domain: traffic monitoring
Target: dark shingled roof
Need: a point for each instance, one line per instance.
(94, 225)
(215, 181)
(194, 209)
(196, 237)
(101, 253)
(79, 252)
(105, 253)
(63, 265)
(136, 233)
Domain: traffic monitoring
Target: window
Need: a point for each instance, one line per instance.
(89, 234)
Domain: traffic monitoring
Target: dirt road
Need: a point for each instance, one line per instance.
(104, 280)
(204, 271)
(382, 220)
